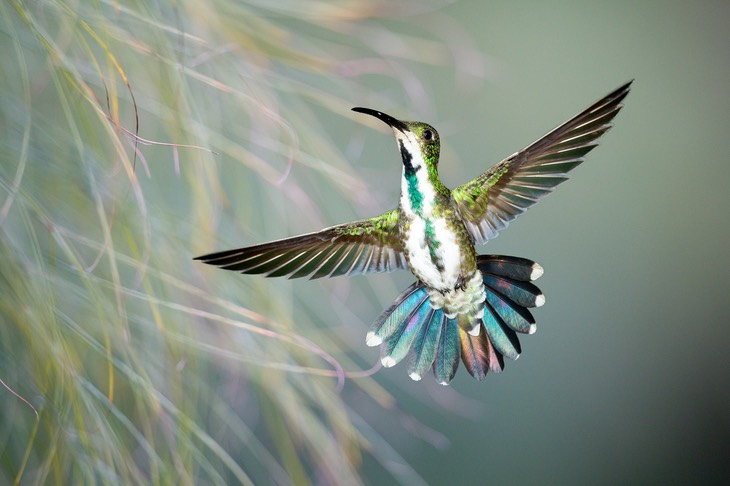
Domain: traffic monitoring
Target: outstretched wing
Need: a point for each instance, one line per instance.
(368, 245)
(488, 203)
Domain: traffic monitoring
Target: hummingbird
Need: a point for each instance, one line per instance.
(462, 305)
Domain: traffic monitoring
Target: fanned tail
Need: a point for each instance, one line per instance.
(435, 341)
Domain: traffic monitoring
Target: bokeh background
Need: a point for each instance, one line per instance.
(135, 136)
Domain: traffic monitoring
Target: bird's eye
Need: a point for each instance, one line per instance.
(427, 134)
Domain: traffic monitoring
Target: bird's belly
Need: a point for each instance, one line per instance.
(447, 268)
(434, 254)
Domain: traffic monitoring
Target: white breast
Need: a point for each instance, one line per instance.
(447, 252)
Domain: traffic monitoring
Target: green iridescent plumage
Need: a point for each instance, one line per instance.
(433, 233)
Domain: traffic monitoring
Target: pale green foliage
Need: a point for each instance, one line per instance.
(143, 366)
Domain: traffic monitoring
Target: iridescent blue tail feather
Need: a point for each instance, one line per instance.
(424, 349)
(436, 342)
(447, 354)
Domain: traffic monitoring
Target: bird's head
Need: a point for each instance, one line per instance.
(418, 142)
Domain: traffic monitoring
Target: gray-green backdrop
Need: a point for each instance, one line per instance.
(123, 361)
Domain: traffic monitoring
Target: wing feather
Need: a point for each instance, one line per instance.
(368, 245)
(488, 203)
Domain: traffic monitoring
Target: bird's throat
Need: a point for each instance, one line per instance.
(407, 158)
(414, 193)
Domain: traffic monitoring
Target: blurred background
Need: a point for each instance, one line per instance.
(134, 137)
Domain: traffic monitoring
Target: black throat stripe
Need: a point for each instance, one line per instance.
(407, 158)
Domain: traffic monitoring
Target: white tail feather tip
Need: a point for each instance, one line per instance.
(387, 361)
(537, 271)
(371, 339)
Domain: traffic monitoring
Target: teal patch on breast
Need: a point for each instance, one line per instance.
(433, 245)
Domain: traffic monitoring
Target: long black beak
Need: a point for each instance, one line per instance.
(382, 116)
